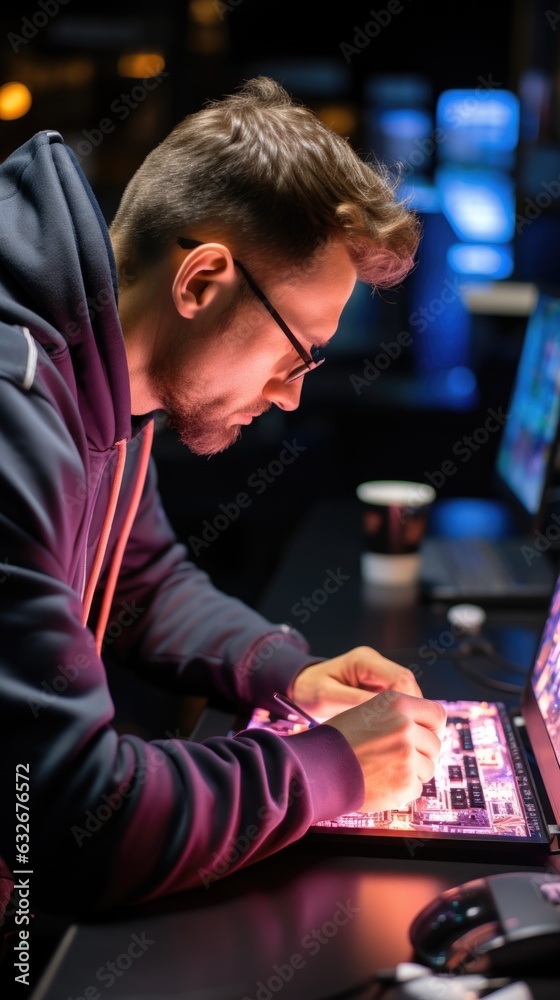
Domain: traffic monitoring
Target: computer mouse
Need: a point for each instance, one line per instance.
(506, 924)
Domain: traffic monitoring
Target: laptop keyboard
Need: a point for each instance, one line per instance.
(480, 786)
(475, 567)
(475, 561)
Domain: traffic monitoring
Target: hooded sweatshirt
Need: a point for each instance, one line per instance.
(84, 541)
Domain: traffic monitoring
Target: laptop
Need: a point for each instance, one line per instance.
(506, 570)
(484, 791)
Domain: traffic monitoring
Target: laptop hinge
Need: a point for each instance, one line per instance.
(554, 846)
(553, 829)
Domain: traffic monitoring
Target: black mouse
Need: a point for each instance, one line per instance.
(501, 924)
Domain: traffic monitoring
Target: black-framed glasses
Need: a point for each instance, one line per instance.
(310, 360)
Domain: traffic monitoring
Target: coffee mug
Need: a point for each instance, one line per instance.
(394, 519)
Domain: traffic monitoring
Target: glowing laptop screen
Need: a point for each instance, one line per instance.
(475, 791)
(545, 678)
(531, 428)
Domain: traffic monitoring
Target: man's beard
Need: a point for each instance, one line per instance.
(198, 418)
(202, 427)
(196, 428)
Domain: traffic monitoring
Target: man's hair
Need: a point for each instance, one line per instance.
(263, 171)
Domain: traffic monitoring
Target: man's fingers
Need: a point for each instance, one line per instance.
(430, 714)
(394, 736)
(425, 712)
(384, 672)
(425, 768)
(427, 742)
(404, 676)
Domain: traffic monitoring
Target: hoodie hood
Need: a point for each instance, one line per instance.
(58, 279)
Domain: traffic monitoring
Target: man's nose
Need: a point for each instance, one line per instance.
(285, 395)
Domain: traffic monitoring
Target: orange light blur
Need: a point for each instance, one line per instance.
(140, 65)
(205, 12)
(339, 117)
(15, 101)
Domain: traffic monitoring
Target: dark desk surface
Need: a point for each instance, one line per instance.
(224, 942)
(237, 938)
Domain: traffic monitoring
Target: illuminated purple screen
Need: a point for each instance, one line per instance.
(545, 678)
(474, 790)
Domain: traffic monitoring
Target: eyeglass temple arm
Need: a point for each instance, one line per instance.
(187, 242)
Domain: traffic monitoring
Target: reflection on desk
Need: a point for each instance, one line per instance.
(307, 926)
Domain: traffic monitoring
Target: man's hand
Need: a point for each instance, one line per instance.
(326, 688)
(394, 737)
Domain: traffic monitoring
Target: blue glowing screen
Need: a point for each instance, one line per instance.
(479, 204)
(481, 126)
(526, 446)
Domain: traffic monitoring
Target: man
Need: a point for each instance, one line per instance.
(235, 247)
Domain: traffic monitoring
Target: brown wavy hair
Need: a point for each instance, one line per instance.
(264, 172)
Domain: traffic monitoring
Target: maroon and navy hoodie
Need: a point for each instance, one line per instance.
(114, 819)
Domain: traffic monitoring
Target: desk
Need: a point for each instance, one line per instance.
(225, 942)
(307, 922)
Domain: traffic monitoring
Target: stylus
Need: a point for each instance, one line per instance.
(292, 707)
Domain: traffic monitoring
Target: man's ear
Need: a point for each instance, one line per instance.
(206, 274)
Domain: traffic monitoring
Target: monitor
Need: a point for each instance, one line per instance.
(526, 455)
(480, 125)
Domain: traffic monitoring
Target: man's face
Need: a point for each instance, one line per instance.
(213, 385)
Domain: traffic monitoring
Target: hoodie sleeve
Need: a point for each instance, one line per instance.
(172, 626)
(114, 819)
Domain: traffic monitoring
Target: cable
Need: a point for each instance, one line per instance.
(469, 618)
(485, 647)
(491, 682)
(473, 646)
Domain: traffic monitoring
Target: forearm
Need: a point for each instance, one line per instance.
(175, 815)
(171, 625)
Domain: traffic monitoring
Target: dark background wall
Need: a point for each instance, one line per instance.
(404, 422)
